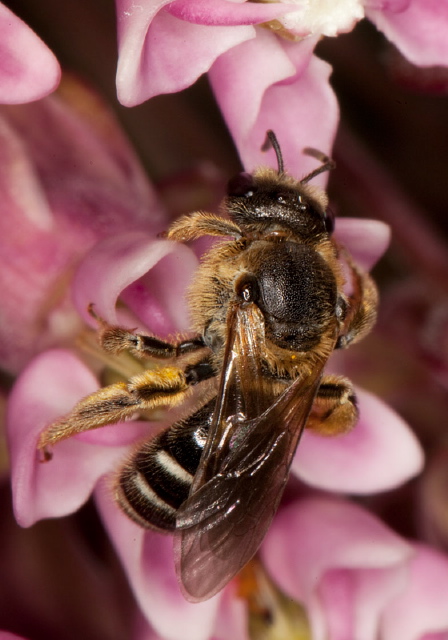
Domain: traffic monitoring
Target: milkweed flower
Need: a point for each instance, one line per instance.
(85, 221)
(356, 577)
(148, 276)
(102, 233)
(28, 69)
(260, 81)
(259, 59)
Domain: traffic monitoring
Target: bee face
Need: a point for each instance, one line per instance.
(268, 307)
(267, 201)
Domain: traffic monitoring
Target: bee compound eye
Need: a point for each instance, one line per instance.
(242, 184)
(329, 220)
(341, 308)
(247, 288)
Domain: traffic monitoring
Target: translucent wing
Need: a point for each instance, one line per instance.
(245, 465)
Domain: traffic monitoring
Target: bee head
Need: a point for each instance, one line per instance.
(270, 200)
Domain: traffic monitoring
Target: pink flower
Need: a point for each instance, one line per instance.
(356, 578)
(149, 276)
(260, 79)
(28, 69)
(341, 562)
(80, 225)
(416, 27)
(60, 194)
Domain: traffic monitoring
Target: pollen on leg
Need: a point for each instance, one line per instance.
(105, 406)
(159, 386)
(153, 388)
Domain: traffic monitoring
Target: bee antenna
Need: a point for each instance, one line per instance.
(271, 141)
(327, 163)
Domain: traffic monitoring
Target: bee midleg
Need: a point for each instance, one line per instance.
(334, 409)
(165, 387)
(156, 479)
(362, 309)
(115, 339)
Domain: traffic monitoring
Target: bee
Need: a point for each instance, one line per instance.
(269, 304)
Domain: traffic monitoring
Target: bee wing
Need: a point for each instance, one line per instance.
(242, 392)
(245, 466)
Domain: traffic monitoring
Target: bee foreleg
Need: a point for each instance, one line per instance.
(334, 409)
(144, 392)
(362, 307)
(200, 224)
(115, 339)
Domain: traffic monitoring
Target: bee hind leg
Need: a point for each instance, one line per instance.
(334, 409)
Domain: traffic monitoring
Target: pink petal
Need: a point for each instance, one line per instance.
(159, 53)
(322, 534)
(225, 13)
(113, 190)
(366, 240)
(287, 90)
(349, 602)
(47, 389)
(54, 207)
(150, 275)
(28, 69)
(5, 635)
(380, 453)
(422, 607)
(240, 85)
(231, 621)
(419, 31)
(334, 556)
(147, 558)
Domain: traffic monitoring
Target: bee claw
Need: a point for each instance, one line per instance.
(45, 455)
(95, 316)
(91, 310)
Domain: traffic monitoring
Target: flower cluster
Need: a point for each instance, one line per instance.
(287, 86)
(81, 224)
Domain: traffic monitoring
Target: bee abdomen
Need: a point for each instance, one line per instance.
(157, 479)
